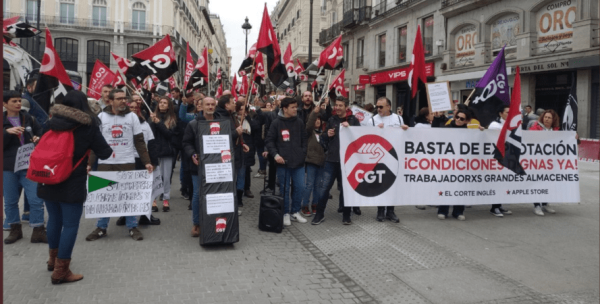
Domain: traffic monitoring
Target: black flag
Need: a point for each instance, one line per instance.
(569, 122)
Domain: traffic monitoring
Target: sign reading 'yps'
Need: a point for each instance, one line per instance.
(371, 165)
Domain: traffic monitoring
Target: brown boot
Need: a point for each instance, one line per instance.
(39, 235)
(15, 234)
(52, 259)
(62, 273)
(196, 231)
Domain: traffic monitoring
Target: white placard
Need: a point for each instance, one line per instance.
(363, 116)
(214, 144)
(23, 155)
(219, 203)
(157, 184)
(119, 193)
(218, 173)
(438, 95)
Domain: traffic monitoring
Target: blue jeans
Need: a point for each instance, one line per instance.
(13, 181)
(241, 178)
(262, 162)
(330, 172)
(130, 222)
(196, 201)
(313, 178)
(296, 177)
(63, 224)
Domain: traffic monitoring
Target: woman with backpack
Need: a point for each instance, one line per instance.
(64, 201)
(19, 129)
(164, 126)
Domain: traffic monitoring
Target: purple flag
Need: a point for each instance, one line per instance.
(491, 92)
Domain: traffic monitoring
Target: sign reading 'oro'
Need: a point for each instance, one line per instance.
(465, 45)
(555, 26)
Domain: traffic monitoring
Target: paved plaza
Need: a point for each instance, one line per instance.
(521, 258)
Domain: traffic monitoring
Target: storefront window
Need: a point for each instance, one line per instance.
(428, 36)
(504, 31)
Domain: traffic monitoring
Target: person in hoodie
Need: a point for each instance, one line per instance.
(64, 201)
(287, 142)
(122, 131)
(333, 169)
(272, 169)
(224, 111)
(191, 147)
(16, 122)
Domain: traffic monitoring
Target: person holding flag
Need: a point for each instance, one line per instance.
(498, 124)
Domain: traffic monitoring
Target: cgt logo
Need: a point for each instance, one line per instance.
(215, 128)
(371, 165)
(220, 225)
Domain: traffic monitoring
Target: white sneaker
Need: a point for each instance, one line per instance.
(296, 217)
(286, 220)
(548, 209)
(497, 212)
(441, 217)
(538, 210)
(461, 218)
(258, 175)
(239, 211)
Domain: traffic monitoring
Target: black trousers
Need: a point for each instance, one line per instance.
(456, 210)
(247, 179)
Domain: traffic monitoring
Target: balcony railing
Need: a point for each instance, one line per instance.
(392, 6)
(360, 61)
(446, 3)
(327, 35)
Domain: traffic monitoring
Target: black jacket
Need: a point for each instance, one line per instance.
(249, 139)
(87, 136)
(223, 114)
(13, 142)
(163, 138)
(152, 148)
(305, 113)
(333, 143)
(190, 143)
(293, 150)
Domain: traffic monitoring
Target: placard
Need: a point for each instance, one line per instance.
(157, 184)
(219, 203)
(218, 173)
(119, 193)
(23, 155)
(438, 96)
(214, 144)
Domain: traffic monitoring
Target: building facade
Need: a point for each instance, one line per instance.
(87, 30)
(554, 42)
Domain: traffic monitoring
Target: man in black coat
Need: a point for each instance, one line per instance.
(333, 168)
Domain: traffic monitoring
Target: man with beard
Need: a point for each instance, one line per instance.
(191, 146)
(122, 131)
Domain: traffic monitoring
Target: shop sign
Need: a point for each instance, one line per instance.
(359, 87)
(555, 26)
(364, 79)
(397, 75)
(547, 66)
(504, 32)
(465, 45)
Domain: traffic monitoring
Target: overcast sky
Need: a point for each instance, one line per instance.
(232, 14)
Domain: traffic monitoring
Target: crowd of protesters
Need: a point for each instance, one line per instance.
(295, 140)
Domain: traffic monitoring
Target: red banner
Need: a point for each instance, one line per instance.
(397, 75)
(364, 79)
(101, 75)
(359, 87)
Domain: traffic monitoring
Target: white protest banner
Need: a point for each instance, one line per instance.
(157, 184)
(214, 144)
(454, 167)
(23, 155)
(363, 116)
(118, 193)
(218, 173)
(438, 96)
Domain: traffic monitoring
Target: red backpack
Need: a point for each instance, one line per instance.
(52, 160)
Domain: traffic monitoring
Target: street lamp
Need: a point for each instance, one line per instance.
(246, 27)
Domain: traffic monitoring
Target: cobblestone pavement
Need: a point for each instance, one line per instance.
(521, 258)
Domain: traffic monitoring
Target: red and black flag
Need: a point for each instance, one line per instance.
(199, 77)
(244, 86)
(332, 57)
(189, 67)
(337, 87)
(569, 122)
(417, 73)
(119, 80)
(53, 81)
(268, 45)
(131, 69)
(289, 63)
(508, 147)
(247, 63)
(259, 70)
(15, 27)
(158, 59)
(101, 75)
(219, 91)
(299, 69)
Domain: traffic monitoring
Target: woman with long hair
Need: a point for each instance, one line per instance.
(64, 201)
(164, 126)
(548, 121)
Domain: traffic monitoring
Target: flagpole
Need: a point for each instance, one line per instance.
(140, 94)
(243, 116)
(469, 98)
(327, 86)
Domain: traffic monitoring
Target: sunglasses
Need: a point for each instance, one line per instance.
(379, 107)
(461, 118)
